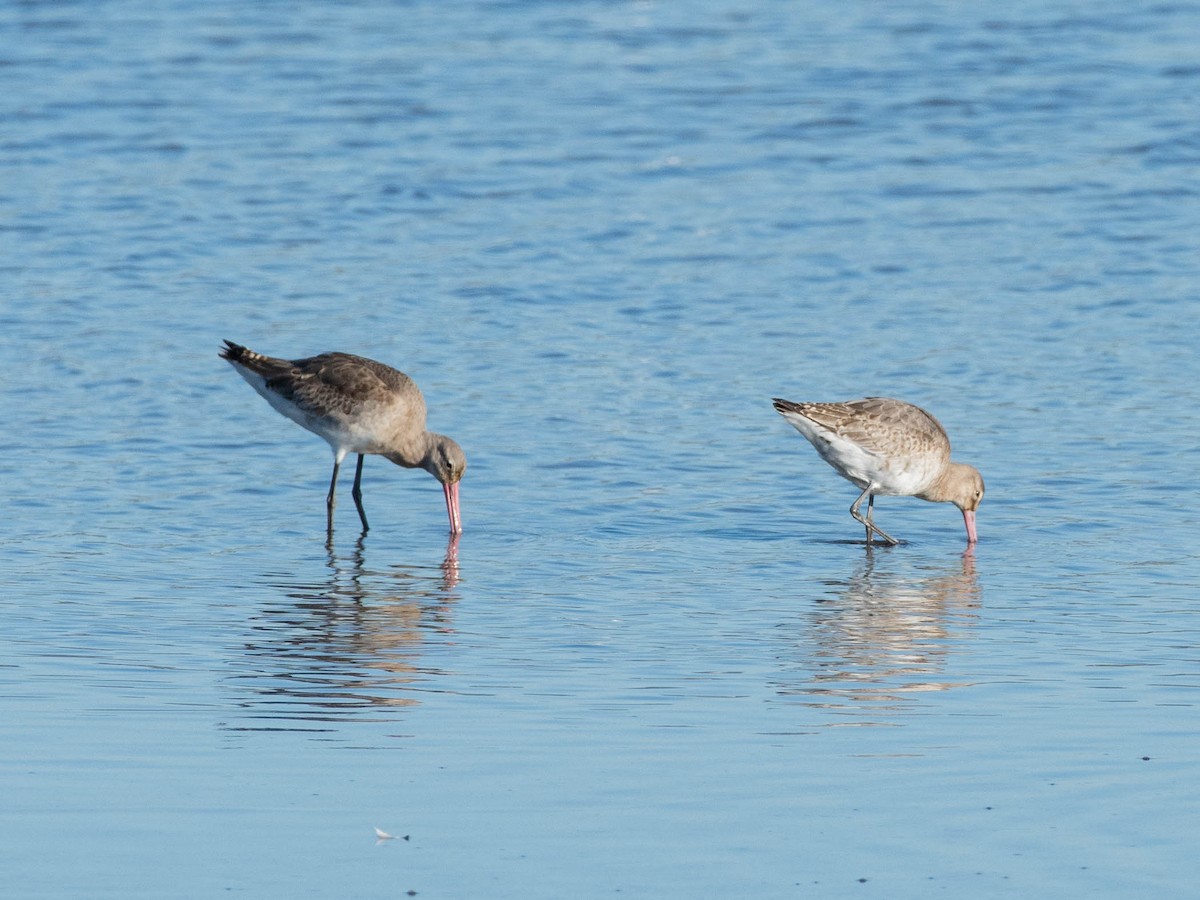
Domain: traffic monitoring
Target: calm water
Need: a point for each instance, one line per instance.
(601, 235)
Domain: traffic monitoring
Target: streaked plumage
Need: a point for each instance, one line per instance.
(358, 406)
(891, 448)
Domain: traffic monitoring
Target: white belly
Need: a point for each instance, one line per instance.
(897, 475)
(343, 434)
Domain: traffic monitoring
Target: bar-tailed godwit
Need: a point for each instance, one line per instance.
(358, 406)
(891, 448)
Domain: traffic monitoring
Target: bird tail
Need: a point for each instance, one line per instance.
(234, 352)
(246, 358)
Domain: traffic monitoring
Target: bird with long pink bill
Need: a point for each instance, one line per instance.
(358, 406)
(888, 448)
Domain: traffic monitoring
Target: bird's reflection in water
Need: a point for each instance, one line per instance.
(347, 648)
(882, 638)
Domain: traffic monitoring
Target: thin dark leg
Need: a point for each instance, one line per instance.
(331, 500)
(357, 493)
(870, 525)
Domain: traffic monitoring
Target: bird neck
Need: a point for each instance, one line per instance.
(414, 452)
(951, 485)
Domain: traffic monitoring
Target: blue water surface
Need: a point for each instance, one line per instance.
(660, 662)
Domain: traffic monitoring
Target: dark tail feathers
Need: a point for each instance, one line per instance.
(234, 352)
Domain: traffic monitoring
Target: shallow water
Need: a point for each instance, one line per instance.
(660, 660)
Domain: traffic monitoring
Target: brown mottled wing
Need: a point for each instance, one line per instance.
(339, 383)
(881, 425)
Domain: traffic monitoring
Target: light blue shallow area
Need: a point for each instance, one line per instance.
(660, 662)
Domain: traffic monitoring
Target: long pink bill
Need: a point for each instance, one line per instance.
(451, 492)
(969, 520)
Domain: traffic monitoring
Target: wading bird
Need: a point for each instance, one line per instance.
(889, 448)
(358, 406)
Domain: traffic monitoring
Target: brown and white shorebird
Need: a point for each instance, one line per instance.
(359, 406)
(890, 448)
